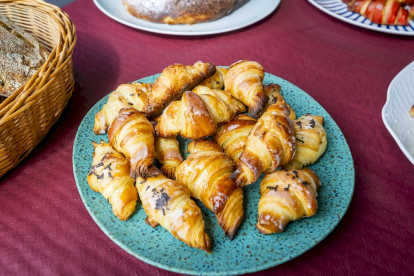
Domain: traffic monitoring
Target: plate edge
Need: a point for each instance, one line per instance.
(387, 104)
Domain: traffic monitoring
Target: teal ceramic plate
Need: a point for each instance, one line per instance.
(250, 251)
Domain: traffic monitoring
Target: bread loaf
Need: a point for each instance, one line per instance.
(181, 11)
(20, 56)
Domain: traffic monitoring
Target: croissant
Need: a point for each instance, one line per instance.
(311, 141)
(206, 173)
(286, 196)
(270, 144)
(244, 82)
(219, 97)
(109, 176)
(173, 82)
(167, 202)
(388, 12)
(216, 81)
(126, 95)
(273, 92)
(194, 116)
(203, 145)
(133, 135)
(232, 136)
(167, 151)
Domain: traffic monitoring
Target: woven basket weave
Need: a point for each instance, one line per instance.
(29, 113)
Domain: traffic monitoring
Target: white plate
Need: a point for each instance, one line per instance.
(395, 114)
(339, 10)
(250, 13)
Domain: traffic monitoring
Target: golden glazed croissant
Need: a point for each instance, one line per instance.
(126, 95)
(167, 151)
(203, 145)
(232, 136)
(109, 176)
(206, 173)
(219, 98)
(173, 82)
(167, 202)
(311, 141)
(244, 82)
(194, 116)
(286, 196)
(216, 81)
(273, 92)
(270, 144)
(133, 135)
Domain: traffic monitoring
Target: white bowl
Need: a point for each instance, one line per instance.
(395, 113)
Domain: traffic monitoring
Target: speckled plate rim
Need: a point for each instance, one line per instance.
(388, 107)
(370, 26)
(172, 30)
(233, 272)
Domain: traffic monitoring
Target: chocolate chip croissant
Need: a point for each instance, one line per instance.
(167, 202)
(232, 136)
(133, 135)
(126, 95)
(270, 144)
(173, 82)
(311, 141)
(206, 173)
(273, 92)
(286, 196)
(216, 81)
(109, 176)
(194, 116)
(167, 151)
(244, 82)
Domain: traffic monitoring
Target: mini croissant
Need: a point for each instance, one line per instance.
(232, 136)
(194, 116)
(109, 176)
(244, 82)
(270, 144)
(216, 81)
(167, 151)
(167, 202)
(206, 173)
(273, 92)
(126, 95)
(173, 82)
(226, 100)
(286, 196)
(133, 135)
(311, 141)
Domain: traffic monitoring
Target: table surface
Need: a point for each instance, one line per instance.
(45, 228)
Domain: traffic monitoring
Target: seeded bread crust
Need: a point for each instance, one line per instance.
(20, 56)
(181, 11)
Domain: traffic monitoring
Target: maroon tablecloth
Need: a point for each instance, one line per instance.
(45, 228)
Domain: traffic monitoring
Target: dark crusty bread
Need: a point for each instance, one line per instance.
(181, 11)
(20, 56)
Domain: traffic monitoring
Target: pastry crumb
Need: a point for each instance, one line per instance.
(412, 111)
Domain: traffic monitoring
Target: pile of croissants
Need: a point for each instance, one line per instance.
(143, 119)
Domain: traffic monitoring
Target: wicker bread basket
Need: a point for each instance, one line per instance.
(29, 113)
